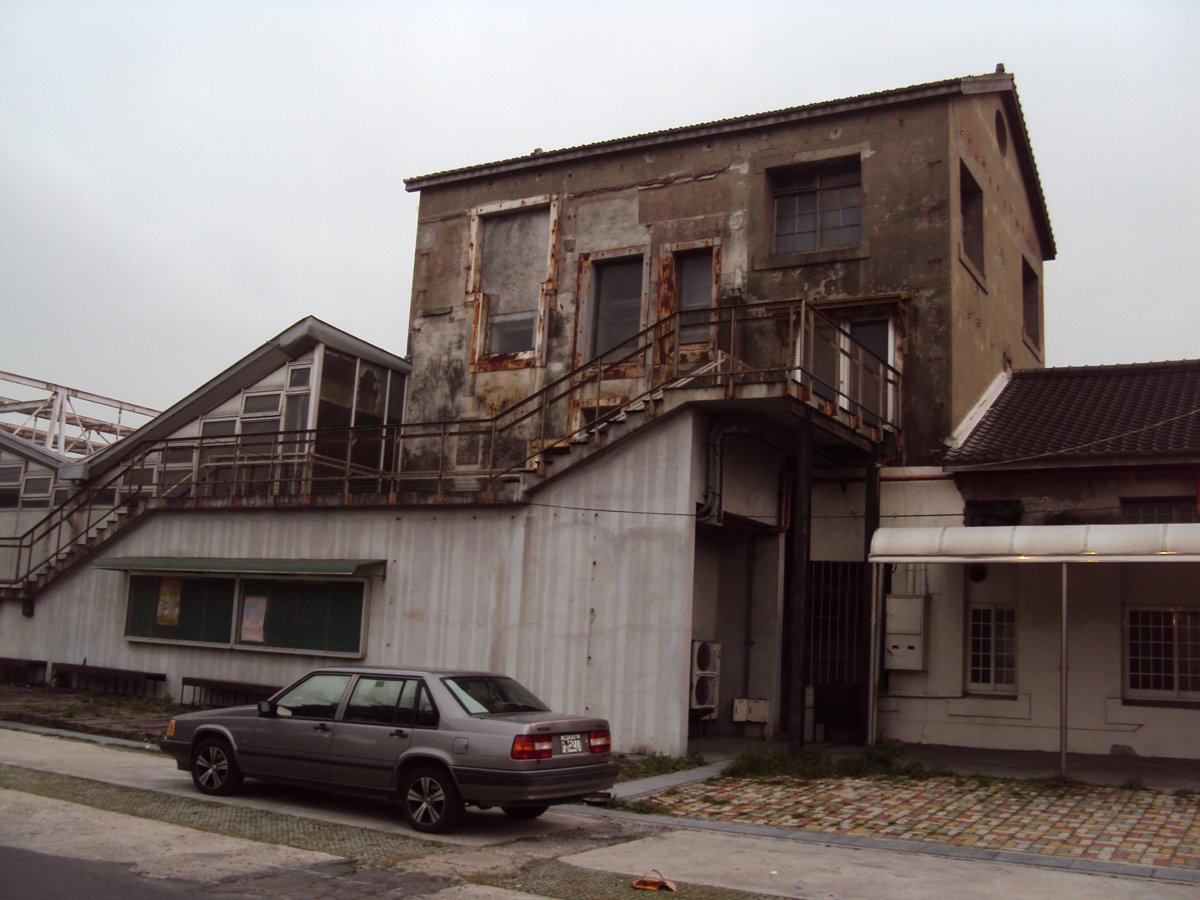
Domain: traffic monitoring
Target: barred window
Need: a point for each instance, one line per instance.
(992, 649)
(1158, 510)
(1162, 653)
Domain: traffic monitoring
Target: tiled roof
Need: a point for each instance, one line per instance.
(1089, 414)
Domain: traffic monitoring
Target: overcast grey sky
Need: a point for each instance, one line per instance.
(181, 180)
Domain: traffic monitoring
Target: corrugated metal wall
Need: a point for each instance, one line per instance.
(586, 595)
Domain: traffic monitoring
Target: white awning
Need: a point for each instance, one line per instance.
(1038, 543)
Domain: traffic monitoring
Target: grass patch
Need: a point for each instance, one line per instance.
(635, 767)
(882, 760)
(1060, 783)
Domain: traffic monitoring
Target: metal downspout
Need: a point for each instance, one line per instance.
(1062, 682)
(874, 660)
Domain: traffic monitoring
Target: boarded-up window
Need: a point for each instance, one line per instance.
(184, 608)
(514, 254)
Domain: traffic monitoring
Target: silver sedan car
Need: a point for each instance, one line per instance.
(435, 740)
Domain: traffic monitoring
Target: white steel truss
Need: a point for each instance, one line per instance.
(65, 420)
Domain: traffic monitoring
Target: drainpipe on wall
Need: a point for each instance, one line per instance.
(798, 599)
(1062, 682)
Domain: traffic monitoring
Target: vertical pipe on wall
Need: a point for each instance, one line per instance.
(1062, 681)
(798, 599)
(871, 503)
(748, 620)
(873, 660)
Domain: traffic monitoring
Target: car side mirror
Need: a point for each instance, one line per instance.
(266, 708)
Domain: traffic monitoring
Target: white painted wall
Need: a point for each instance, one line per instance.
(933, 706)
(585, 595)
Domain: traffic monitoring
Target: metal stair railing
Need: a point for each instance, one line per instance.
(763, 343)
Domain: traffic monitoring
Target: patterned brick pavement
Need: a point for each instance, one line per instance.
(1136, 827)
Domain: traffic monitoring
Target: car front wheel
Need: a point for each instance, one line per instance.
(213, 768)
(430, 800)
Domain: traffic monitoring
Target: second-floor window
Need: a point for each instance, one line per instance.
(617, 303)
(511, 274)
(817, 207)
(971, 212)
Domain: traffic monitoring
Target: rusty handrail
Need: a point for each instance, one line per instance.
(770, 341)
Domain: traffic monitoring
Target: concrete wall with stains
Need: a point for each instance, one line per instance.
(987, 315)
(949, 341)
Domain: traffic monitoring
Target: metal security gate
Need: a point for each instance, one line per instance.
(838, 647)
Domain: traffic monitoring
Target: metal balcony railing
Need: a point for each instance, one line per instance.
(787, 344)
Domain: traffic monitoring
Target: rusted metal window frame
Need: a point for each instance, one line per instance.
(586, 300)
(481, 359)
(668, 289)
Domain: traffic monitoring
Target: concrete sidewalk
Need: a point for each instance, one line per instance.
(845, 837)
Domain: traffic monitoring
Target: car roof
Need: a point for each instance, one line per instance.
(394, 670)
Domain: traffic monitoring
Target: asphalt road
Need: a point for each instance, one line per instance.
(72, 810)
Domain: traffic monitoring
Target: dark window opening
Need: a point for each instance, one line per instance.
(818, 208)
(982, 513)
(180, 608)
(971, 203)
(1158, 510)
(695, 295)
(618, 303)
(1031, 303)
(302, 615)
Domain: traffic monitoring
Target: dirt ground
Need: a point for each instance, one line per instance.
(133, 718)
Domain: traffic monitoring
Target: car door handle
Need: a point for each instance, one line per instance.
(398, 733)
(320, 726)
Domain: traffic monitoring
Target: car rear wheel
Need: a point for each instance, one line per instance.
(524, 812)
(430, 800)
(214, 770)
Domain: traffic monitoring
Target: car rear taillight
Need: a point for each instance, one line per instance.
(529, 746)
(171, 728)
(599, 741)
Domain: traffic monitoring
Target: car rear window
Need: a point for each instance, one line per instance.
(481, 694)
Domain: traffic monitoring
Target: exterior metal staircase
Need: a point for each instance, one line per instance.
(783, 349)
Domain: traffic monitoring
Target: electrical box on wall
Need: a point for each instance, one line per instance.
(751, 709)
(905, 631)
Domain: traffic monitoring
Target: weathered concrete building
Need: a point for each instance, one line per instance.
(805, 296)
(913, 218)
(663, 389)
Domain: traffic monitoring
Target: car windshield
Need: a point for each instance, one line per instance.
(481, 694)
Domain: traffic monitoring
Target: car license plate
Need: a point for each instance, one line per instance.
(571, 743)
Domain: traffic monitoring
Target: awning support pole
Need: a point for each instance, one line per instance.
(1062, 682)
(873, 677)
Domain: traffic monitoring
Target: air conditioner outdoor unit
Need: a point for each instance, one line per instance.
(706, 657)
(706, 678)
(705, 696)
